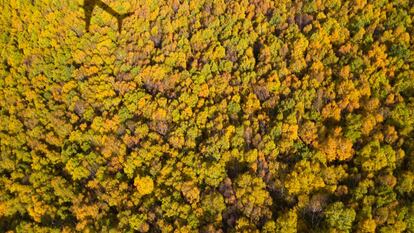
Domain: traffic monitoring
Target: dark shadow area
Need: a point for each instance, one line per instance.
(235, 168)
(89, 5)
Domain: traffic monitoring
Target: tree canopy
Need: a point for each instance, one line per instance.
(207, 116)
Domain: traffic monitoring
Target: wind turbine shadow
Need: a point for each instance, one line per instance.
(89, 6)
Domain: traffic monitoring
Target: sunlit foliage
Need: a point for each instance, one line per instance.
(207, 116)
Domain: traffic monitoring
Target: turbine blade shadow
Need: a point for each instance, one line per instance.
(89, 5)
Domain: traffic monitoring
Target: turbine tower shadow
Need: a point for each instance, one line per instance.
(89, 6)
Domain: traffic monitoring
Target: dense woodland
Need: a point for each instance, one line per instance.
(207, 116)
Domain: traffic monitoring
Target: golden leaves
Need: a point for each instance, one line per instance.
(144, 185)
(252, 104)
(206, 115)
(336, 147)
(304, 178)
(190, 192)
(37, 210)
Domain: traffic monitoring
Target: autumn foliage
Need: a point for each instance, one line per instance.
(207, 116)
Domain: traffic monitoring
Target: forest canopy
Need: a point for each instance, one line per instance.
(207, 116)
